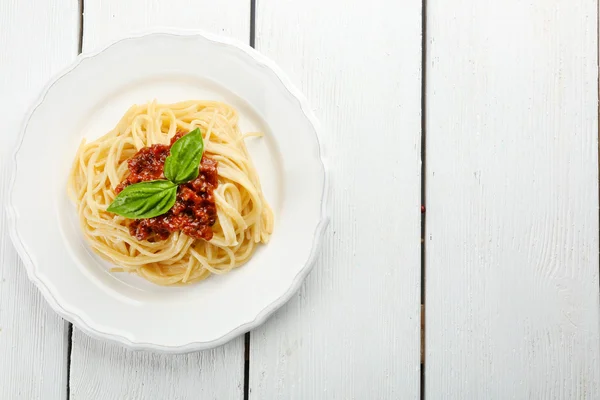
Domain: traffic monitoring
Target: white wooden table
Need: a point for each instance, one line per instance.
(484, 110)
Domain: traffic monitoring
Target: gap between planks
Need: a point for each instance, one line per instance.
(598, 100)
(70, 325)
(423, 185)
(247, 336)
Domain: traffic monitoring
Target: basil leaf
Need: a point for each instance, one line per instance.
(183, 163)
(145, 199)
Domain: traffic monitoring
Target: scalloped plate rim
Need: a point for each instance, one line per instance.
(262, 316)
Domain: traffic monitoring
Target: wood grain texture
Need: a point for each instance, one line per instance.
(36, 41)
(352, 331)
(108, 371)
(108, 20)
(512, 200)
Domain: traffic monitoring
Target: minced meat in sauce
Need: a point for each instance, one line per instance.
(194, 212)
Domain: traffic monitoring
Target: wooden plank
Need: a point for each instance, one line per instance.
(512, 200)
(101, 370)
(353, 329)
(107, 21)
(36, 41)
(110, 371)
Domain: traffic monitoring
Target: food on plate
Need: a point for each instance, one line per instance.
(171, 193)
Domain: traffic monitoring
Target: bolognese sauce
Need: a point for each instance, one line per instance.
(194, 212)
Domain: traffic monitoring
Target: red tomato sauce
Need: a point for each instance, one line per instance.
(194, 212)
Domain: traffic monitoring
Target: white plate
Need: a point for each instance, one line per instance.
(87, 100)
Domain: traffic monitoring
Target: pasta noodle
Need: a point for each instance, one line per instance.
(244, 219)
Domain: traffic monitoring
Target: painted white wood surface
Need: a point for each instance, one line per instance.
(353, 329)
(512, 200)
(36, 41)
(108, 371)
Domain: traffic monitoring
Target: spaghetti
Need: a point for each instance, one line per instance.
(243, 220)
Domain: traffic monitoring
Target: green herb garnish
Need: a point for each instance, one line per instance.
(145, 199)
(153, 198)
(182, 164)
